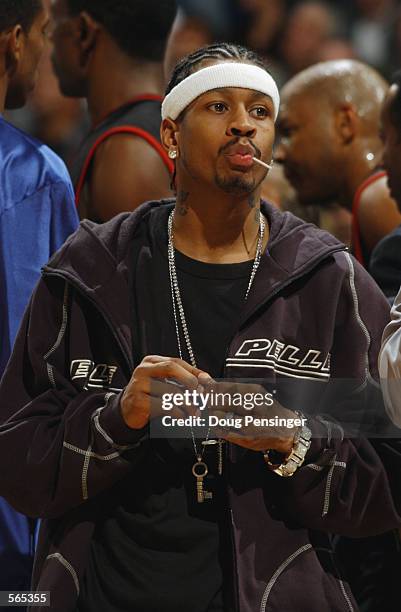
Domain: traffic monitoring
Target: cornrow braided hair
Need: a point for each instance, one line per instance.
(218, 51)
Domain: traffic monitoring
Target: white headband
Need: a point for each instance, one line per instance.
(226, 74)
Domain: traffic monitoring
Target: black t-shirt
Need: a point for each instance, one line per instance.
(157, 548)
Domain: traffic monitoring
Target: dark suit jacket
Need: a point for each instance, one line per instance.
(385, 263)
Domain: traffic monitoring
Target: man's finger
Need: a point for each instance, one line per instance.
(160, 359)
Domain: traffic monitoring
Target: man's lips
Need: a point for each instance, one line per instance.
(241, 156)
(244, 161)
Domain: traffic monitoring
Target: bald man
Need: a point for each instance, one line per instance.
(331, 148)
(331, 151)
(385, 263)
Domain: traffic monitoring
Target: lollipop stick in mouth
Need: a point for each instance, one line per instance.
(262, 163)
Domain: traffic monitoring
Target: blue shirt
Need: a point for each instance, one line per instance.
(37, 214)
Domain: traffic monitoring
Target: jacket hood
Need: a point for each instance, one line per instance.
(95, 252)
(96, 259)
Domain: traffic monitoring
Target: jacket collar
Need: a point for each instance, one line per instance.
(96, 261)
(294, 248)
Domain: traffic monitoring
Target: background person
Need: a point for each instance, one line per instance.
(37, 213)
(385, 263)
(111, 52)
(331, 149)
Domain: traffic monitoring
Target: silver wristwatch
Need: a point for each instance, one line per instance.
(297, 456)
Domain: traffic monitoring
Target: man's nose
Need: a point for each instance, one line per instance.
(241, 125)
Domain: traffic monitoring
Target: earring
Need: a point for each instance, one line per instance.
(173, 154)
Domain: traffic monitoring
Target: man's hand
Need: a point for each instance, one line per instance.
(253, 437)
(141, 399)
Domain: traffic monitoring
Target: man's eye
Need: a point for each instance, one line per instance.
(260, 112)
(218, 107)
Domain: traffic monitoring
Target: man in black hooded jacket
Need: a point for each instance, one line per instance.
(176, 295)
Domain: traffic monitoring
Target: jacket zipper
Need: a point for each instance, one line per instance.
(73, 282)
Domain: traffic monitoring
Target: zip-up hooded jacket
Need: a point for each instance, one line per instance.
(313, 316)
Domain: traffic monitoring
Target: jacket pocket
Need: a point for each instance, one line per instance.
(307, 581)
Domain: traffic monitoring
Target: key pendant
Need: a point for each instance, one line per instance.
(200, 470)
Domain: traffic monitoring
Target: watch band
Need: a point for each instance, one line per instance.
(297, 456)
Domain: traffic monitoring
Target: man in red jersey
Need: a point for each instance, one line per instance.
(110, 52)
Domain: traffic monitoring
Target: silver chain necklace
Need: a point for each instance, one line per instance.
(200, 469)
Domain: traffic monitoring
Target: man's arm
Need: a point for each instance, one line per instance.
(351, 484)
(59, 446)
(390, 363)
(127, 171)
(378, 214)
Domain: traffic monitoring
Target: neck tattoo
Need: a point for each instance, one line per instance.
(181, 204)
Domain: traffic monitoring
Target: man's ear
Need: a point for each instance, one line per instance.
(13, 43)
(346, 123)
(88, 30)
(170, 134)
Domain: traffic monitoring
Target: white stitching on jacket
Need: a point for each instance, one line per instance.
(67, 566)
(314, 466)
(334, 464)
(85, 468)
(346, 597)
(342, 586)
(102, 432)
(326, 502)
(59, 337)
(51, 375)
(88, 454)
(63, 324)
(81, 451)
(277, 574)
(319, 468)
(357, 315)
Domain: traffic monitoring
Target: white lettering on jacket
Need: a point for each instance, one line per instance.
(96, 376)
(284, 359)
